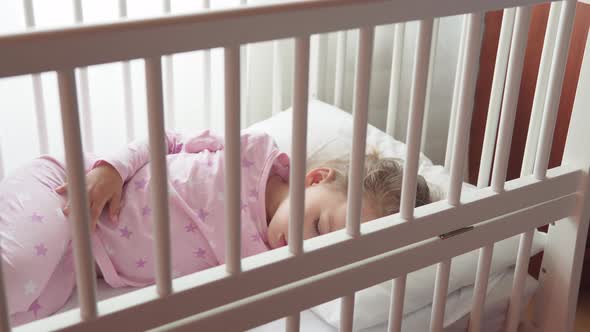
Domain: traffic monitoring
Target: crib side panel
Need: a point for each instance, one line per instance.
(564, 253)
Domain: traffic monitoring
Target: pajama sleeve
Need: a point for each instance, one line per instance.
(136, 155)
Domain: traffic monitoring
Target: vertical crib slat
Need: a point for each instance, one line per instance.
(232, 159)
(431, 67)
(169, 78)
(455, 101)
(245, 77)
(556, 75)
(127, 90)
(462, 123)
(299, 156)
(299, 138)
(481, 286)
(298, 153)
(465, 105)
(84, 261)
(520, 273)
(37, 88)
(513, 78)
(4, 318)
(84, 90)
(396, 76)
(493, 117)
(206, 69)
(360, 116)
(409, 181)
(564, 31)
(159, 194)
(532, 138)
(340, 68)
(416, 115)
(277, 78)
(441, 287)
(396, 304)
(361, 111)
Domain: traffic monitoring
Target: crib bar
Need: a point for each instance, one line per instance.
(340, 68)
(532, 138)
(206, 69)
(455, 101)
(169, 78)
(431, 67)
(562, 44)
(409, 181)
(244, 77)
(97, 43)
(169, 84)
(396, 76)
(159, 194)
(396, 306)
(232, 159)
(465, 105)
(127, 89)
(520, 273)
(84, 261)
(293, 323)
(347, 313)
(498, 81)
(360, 117)
(299, 138)
(481, 286)
(37, 88)
(277, 78)
(439, 301)
(128, 102)
(84, 90)
(513, 78)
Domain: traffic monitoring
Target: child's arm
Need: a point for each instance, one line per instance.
(129, 160)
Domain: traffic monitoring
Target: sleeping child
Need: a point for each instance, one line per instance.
(35, 239)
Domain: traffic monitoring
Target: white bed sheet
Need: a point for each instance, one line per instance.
(456, 317)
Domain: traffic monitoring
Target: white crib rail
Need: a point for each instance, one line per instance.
(159, 191)
(84, 260)
(298, 153)
(127, 89)
(395, 79)
(232, 160)
(410, 175)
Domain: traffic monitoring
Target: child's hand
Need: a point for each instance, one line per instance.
(104, 184)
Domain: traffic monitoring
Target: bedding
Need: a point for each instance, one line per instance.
(329, 136)
(456, 314)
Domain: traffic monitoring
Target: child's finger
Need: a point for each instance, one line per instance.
(66, 210)
(62, 189)
(115, 207)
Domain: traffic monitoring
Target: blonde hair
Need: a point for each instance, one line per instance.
(382, 182)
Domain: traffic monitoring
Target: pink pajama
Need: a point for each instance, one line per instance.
(35, 235)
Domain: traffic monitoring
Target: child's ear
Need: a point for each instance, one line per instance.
(319, 175)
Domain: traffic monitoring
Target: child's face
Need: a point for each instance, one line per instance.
(325, 210)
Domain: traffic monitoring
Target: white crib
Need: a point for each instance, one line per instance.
(240, 294)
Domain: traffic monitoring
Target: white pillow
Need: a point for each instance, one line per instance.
(330, 136)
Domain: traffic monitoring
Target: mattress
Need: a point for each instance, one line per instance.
(456, 315)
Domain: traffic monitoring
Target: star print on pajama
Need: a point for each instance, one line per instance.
(38, 265)
(197, 205)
